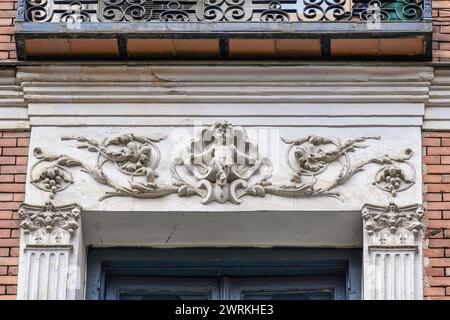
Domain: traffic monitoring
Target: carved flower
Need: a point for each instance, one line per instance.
(311, 157)
(134, 158)
(307, 158)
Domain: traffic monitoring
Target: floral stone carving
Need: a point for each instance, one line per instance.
(134, 156)
(312, 156)
(49, 223)
(221, 164)
(393, 225)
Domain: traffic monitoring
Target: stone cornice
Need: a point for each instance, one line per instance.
(353, 94)
(299, 94)
(225, 72)
(437, 113)
(13, 110)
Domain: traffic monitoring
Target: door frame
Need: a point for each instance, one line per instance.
(120, 261)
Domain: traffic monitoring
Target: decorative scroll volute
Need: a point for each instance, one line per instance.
(144, 11)
(133, 156)
(224, 10)
(309, 157)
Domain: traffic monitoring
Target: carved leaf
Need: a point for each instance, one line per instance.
(91, 142)
(97, 174)
(185, 190)
(124, 190)
(287, 140)
(92, 149)
(259, 191)
(39, 154)
(69, 162)
(143, 187)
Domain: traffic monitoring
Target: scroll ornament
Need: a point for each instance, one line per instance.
(222, 164)
(310, 157)
(134, 156)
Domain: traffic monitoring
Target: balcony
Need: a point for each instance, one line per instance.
(149, 29)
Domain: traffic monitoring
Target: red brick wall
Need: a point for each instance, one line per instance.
(441, 30)
(13, 161)
(436, 148)
(7, 15)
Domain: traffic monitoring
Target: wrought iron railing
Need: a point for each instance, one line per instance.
(83, 11)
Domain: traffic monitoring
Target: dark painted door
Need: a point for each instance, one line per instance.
(226, 288)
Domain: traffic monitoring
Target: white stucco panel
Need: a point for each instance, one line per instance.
(353, 193)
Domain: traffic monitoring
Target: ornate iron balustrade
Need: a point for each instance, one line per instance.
(83, 11)
(225, 29)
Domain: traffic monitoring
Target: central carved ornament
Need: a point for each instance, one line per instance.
(221, 165)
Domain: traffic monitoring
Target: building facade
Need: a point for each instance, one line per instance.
(225, 150)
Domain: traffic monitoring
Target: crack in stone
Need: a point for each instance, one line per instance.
(171, 233)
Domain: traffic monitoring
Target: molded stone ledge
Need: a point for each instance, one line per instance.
(13, 109)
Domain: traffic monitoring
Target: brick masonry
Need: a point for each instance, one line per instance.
(7, 45)
(436, 159)
(13, 160)
(441, 30)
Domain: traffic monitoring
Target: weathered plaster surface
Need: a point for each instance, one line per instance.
(357, 191)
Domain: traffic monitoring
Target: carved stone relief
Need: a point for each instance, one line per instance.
(394, 179)
(49, 224)
(221, 164)
(134, 156)
(311, 156)
(393, 225)
(51, 179)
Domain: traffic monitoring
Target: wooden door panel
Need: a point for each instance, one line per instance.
(162, 288)
(226, 288)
